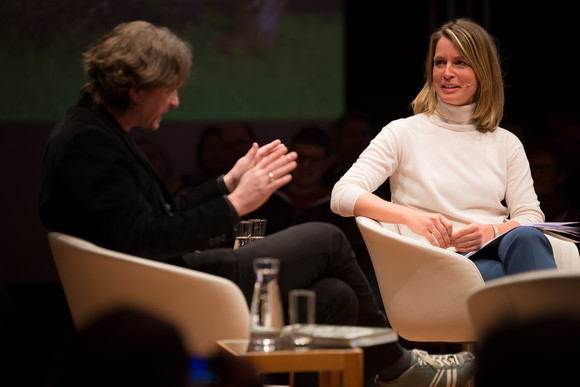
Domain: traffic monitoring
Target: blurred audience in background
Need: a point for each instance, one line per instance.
(519, 122)
(553, 146)
(549, 171)
(351, 134)
(566, 131)
(209, 158)
(237, 139)
(307, 197)
(552, 143)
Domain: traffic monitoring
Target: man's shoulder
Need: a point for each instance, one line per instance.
(81, 123)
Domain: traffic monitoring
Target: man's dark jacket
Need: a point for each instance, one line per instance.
(97, 185)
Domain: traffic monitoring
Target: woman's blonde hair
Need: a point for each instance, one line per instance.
(135, 55)
(479, 49)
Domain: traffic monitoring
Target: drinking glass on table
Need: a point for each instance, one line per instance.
(302, 313)
(258, 229)
(243, 233)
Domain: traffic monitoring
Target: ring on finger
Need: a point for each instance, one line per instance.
(270, 177)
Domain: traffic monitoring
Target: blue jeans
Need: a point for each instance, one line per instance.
(522, 249)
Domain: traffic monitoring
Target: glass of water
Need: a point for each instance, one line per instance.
(243, 232)
(302, 313)
(258, 229)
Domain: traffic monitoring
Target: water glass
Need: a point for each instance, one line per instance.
(243, 232)
(258, 229)
(302, 314)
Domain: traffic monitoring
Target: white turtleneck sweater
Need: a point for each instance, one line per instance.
(443, 164)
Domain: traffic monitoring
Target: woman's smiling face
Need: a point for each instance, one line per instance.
(453, 77)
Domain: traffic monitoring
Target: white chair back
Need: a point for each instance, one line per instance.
(203, 307)
(424, 288)
(524, 297)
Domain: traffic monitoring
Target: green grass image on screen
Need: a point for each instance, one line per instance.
(300, 77)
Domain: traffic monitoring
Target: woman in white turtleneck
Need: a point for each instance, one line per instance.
(457, 179)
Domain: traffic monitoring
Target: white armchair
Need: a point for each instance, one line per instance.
(203, 307)
(425, 288)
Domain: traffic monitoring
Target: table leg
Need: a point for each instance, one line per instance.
(353, 374)
(330, 379)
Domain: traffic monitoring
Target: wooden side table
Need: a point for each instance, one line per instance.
(335, 367)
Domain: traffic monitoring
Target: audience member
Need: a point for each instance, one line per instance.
(307, 197)
(351, 134)
(521, 122)
(122, 348)
(209, 158)
(128, 347)
(97, 187)
(549, 174)
(238, 138)
(567, 134)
